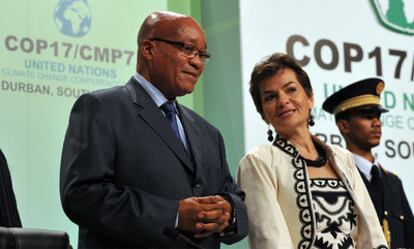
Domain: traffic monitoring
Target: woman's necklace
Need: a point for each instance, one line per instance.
(320, 160)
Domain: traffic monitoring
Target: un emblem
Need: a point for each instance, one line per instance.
(397, 15)
(73, 17)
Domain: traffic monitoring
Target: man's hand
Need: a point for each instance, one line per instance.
(215, 220)
(204, 215)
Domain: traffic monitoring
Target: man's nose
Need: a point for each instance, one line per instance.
(197, 62)
(376, 121)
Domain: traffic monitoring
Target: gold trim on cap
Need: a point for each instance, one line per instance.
(367, 99)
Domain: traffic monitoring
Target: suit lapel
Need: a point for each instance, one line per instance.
(151, 115)
(194, 139)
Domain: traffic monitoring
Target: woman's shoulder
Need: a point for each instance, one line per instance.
(266, 156)
(339, 150)
(261, 154)
(260, 160)
(343, 157)
(262, 151)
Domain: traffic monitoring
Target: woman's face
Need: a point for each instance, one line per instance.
(285, 103)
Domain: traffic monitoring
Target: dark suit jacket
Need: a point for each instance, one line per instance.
(399, 215)
(9, 215)
(123, 171)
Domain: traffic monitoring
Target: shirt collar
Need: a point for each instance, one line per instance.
(365, 165)
(155, 94)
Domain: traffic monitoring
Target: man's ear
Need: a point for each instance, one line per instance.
(343, 126)
(146, 49)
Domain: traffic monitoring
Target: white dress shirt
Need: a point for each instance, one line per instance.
(365, 166)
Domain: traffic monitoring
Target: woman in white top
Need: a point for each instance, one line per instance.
(300, 192)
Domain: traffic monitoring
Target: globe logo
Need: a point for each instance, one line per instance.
(397, 15)
(73, 17)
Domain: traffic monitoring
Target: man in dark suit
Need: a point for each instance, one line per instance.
(357, 113)
(9, 215)
(140, 170)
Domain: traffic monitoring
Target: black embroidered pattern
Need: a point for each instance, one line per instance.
(335, 214)
(303, 199)
(332, 183)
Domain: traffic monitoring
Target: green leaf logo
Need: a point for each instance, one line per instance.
(397, 15)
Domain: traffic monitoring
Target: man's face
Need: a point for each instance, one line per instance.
(172, 71)
(363, 129)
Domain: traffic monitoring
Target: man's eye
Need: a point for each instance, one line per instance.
(369, 115)
(187, 48)
(204, 54)
(372, 115)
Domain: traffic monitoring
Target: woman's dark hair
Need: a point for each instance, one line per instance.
(270, 66)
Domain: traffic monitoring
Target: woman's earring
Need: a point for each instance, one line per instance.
(311, 120)
(270, 135)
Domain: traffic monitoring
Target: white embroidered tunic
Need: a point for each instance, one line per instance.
(280, 202)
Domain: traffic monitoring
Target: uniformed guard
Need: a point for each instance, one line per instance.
(357, 113)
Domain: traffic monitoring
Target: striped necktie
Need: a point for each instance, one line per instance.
(170, 113)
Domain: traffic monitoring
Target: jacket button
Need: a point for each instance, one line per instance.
(197, 185)
(401, 217)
